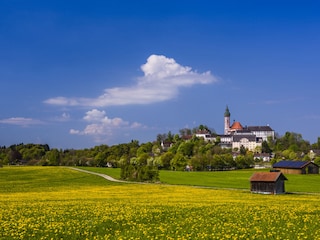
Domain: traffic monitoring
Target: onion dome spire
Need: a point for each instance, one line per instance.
(227, 112)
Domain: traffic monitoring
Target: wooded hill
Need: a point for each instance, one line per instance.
(194, 152)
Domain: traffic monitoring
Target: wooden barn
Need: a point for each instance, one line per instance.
(267, 183)
(296, 167)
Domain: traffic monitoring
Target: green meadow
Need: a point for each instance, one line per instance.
(62, 203)
(238, 179)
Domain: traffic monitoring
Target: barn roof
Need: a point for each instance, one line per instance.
(267, 177)
(291, 164)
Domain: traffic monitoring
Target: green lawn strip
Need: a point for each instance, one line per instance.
(219, 179)
(237, 179)
(303, 183)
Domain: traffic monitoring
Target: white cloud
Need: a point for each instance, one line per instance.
(101, 125)
(94, 115)
(21, 121)
(73, 131)
(136, 125)
(162, 79)
(63, 101)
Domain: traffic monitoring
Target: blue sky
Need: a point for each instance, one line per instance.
(76, 74)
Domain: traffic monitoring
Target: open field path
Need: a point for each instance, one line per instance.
(109, 178)
(100, 174)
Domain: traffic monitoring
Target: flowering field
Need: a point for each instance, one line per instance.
(73, 205)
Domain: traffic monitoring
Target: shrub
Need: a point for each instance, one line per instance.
(139, 173)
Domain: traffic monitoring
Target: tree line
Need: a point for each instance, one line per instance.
(169, 151)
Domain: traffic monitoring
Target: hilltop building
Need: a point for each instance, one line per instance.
(263, 132)
(236, 135)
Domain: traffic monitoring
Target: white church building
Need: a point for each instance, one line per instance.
(235, 135)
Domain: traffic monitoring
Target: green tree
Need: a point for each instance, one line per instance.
(265, 147)
(142, 159)
(174, 147)
(292, 141)
(52, 157)
(141, 173)
(176, 138)
(166, 159)
(243, 162)
(229, 163)
(186, 149)
(4, 158)
(179, 162)
(170, 137)
(317, 160)
(145, 148)
(293, 155)
(156, 149)
(100, 159)
(316, 145)
(14, 155)
(199, 162)
(217, 162)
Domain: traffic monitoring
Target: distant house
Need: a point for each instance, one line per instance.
(267, 183)
(313, 153)
(245, 139)
(265, 157)
(296, 167)
(225, 141)
(166, 145)
(205, 134)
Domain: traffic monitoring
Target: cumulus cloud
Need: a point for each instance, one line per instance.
(162, 79)
(101, 125)
(21, 121)
(95, 115)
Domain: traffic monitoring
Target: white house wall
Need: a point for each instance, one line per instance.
(251, 146)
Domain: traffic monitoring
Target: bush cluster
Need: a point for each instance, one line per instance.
(139, 173)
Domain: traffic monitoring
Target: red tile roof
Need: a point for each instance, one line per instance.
(236, 126)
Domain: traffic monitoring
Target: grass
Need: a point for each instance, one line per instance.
(238, 179)
(112, 172)
(35, 179)
(61, 203)
(221, 179)
(303, 183)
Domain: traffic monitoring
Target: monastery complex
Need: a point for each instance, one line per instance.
(235, 135)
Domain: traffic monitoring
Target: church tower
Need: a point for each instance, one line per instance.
(226, 121)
